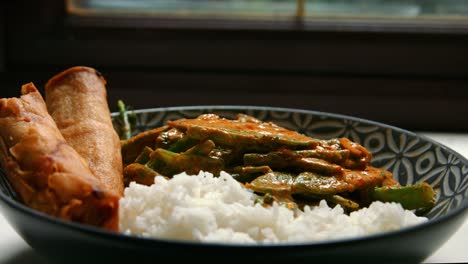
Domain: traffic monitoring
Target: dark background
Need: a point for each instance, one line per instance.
(413, 74)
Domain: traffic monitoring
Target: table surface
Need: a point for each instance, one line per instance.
(13, 249)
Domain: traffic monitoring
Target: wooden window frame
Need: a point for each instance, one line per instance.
(408, 74)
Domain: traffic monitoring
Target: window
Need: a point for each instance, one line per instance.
(394, 61)
(279, 8)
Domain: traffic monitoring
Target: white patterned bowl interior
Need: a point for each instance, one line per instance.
(410, 157)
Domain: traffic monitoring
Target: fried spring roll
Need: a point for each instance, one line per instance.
(46, 172)
(77, 100)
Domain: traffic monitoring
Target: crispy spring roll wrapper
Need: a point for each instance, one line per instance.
(77, 100)
(46, 172)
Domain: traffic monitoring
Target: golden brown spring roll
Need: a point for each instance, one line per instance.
(77, 100)
(45, 171)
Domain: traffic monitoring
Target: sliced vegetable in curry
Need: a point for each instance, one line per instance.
(276, 163)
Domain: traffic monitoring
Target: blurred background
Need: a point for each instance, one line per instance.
(401, 62)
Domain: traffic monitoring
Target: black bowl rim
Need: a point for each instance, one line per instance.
(462, 158)
(105, 234)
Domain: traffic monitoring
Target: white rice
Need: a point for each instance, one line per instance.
(219, 209)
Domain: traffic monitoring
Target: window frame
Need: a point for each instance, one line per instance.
(374, 71)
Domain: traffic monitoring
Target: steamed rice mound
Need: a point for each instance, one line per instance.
(218, 209)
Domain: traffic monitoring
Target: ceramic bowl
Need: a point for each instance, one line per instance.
(411, 157)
